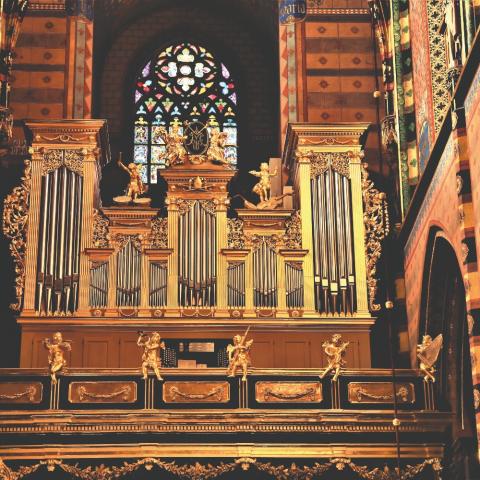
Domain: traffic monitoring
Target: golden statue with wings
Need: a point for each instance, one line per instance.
(135, 185)
(239, 355)
(56, 354)
(151, 353)
(262, 188)
(335, 350)
(427, 354)
(174, 141)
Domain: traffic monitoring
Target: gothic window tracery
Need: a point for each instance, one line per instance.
(183, 83)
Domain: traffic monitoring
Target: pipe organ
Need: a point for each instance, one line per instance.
(201, 267)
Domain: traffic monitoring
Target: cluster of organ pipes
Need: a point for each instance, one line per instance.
(158, 284)
(197, 253)
(59, 242)
(236, 284)
(129, 273)
(98, 284)
(333, 243)
(264, 275)
(294, 285)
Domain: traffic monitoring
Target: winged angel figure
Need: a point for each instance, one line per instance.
(427, 354)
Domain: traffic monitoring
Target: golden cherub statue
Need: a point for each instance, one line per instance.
(135, 185)
(56, 354)
(335, 351)
(427, 354)
(239, 355)
(262, 188)
(151, 353)
(216, 150)
(176, 152)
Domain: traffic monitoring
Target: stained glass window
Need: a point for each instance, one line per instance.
(185, 82)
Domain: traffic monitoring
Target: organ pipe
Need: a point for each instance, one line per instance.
(333, 243)
(197, 256)
(265, 275)
(59, 242)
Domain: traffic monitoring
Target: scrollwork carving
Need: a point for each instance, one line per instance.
(55, 158)
(293, 231)
(159, 233)
(236, 237)
(101, 236)
(377, 227)
(15, 221)
(320, 162)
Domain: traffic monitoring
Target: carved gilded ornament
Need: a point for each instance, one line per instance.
(235, 235)
(427, 355)
(335, 350)
(15, 222)
(293, 231)
(159, 233)
(55, 158)
(255, 241)
(320, 162)
(56, 354)
(210, 206)
(101, 235)
(377, 227)
(121, 240)
(198, 471)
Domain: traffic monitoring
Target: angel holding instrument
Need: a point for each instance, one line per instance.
(151, 353)
(239, 355)
(135, 185)
(262, 188)
(335, 350)
(176, 152)
(56, 354)
(427, 354)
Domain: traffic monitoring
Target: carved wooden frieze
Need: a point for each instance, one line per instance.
(102, 392)
(380, 392)
(21, 392)
(196, 392)
(288, 392)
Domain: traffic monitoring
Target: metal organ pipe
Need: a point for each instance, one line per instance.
(333, 244)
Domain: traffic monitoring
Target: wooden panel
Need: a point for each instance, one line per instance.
(321, 29)
(380, 392)
(21, 392)
(96, 352)
(288, 392)
(297, 354)
(102, 392)
(262, 354)
(196, 392)
(130, 354)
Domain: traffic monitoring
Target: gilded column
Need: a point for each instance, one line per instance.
(172, 222)
(222, 242)
(90, 186)
(305, 198)
(359, 234)
(32, 233)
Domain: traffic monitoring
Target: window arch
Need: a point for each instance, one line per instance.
(184, 82)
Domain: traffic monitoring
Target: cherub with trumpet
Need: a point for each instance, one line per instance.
(335, 350)
(151, 353)
(135, 185)
(239, 355)
(56, 354)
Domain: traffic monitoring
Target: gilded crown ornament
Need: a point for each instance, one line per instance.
(239, 355)
(335, 350)
(56, 354)
(151, 360)
(427, 354)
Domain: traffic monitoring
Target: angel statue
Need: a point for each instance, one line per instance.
(239, 355)
(262, 188)
(56, 354)
(216, 150)
(151, 353)
(176, 152)
(335, 350)
(427, 354)
(135, 186)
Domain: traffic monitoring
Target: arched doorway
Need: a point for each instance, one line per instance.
(444, 311)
